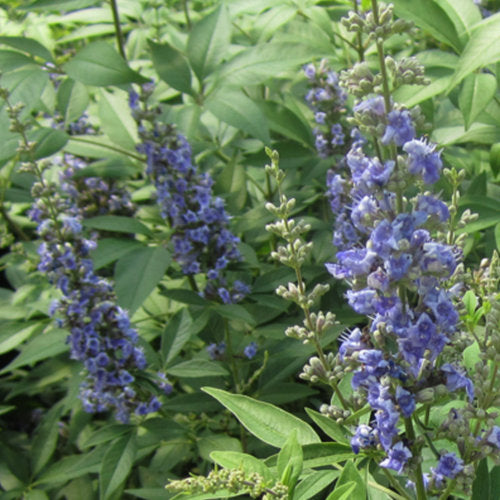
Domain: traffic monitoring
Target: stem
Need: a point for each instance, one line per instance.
(186, 14)
(118, 29)
(448, 490)
(419, 480)
(360, 48)
(395, 484)
(12, 225)
(107, 146)
(229, 350)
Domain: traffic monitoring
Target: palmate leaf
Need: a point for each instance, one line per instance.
(265, 421)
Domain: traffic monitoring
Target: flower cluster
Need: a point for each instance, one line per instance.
(101, 335)
(399, 274)
(326, 98)
(202, 241)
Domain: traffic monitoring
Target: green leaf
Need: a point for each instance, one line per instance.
(105, 434)
(481, 484)
(45, 439)
(314, 483)
(217, 443)
(48, 141)
(137, 273)
(99, 64)
(265, 421)
(494, 482)
(110, 249)
(477, 91)
(495, 159)
(28, 45)
(185, 296)
(429, 16)
(117, 224)
(11, 60)
(231, 182)
(114, 168)
(198, 368)
(482, 134)
(237, 460)
(329, 426)
(25, 86)
(116, 119)
(72, 100)
(234, 312)
(290, 461)
(14, 334)
(343, 492)
(46, 345)
(116, 465)
(35, 495)
(351, 474)
(463, 14)
(208, 41)
(236, 109)
(176, 334)
(497, 236)
(470, 302)
(321, 454)
(171, 66)
(482, 49)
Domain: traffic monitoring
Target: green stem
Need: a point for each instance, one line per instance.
(360, 48)
(448, 490)
(395, 484)
(419, 479)
(232, 361)
(186, 14)
(118, 29)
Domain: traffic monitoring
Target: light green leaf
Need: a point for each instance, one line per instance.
(25, 86)
(48, 141)
(35, 495)
(329, 426)
(14, 334)
(116, 465)
(208, 41)
(290, 461)
(411, 95)
(477, 91)
(429, 16)
(99, 64)
(236, 109)
(137, 273)
(45, 345)
(11, 60)
(343, 492)
(482, 49)
(197, 368)
(217, 443)
(237, 460)
(265, 421)
(116, 119)
(45, 439)
(27, 45)
(470, 302)
(348, 475)
(171, 67)
(232, 184)
(72, 100)
(117, 224)
(482, 134)
(463, 14)
(314, 483)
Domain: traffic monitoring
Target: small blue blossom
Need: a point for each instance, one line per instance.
(398, 457)
(400, 128)
(449, 466)
(365, 437)
(423, 159)
(251, 350)
(456, 379)
(216, 351)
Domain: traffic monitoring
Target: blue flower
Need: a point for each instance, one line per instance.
(398, 457)
(365, 437)
(400, 128)
(250, 350)
(449, 466)
(423, 159)
(456, 379)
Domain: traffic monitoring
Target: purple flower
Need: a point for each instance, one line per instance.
(423, 158)
(400, 128)
(365, 437)
(456, 379)
(399, 455)
(250, 350)
(406, 401)
(216, 351)
(449, 466)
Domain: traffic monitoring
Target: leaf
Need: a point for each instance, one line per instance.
(117, 224)
(217, 443)
(45, 439)
(14, 334)
(11, 60)
(27, 45)
(477, 91)
(343, 492)
(72, 100)
(99, 64)
(482, 49)
(329, 426)
(176, 334)
(114, 168)
(234, 312)
(208, 41)
(197, 368)
(231, 182)
(470, 302)
(495, 159)
(314, 483)
(137, 273)
(110, 249)
(105, 434)
(497, 236)
(48, 141)
(262, 62)
(481, 484)
(116, 465)
(35, 495)
(25, 86)
(290, 461)
(482, 134)
(463, 14)
(184, 296)
(116, 119)
(237, 460)
(351, 474)
(494, 482)
(236, 109)
(46, 345)
(265, 421)
(171, 67)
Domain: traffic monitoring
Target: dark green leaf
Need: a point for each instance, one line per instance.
(351, 474)
(110, 249)
(114, 168)
(11, 60)
(231, 182)
(117, 224)
(27, 45)
(116, 465)
(265, 421)
(48, 141)
(208, 41)
(45, 345)
(171, 67)
(99, 64)
(45, 439)
(314, 483)
(234, 312)
(176, 334)
(184, 296)
(477, 91)
(72, 100)
(105, 434)
(137, 273)
(236, 109)
(329, 426)
(198, 368)
(494, 482)
(481, 484)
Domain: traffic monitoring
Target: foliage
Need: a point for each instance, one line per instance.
(143, 303)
